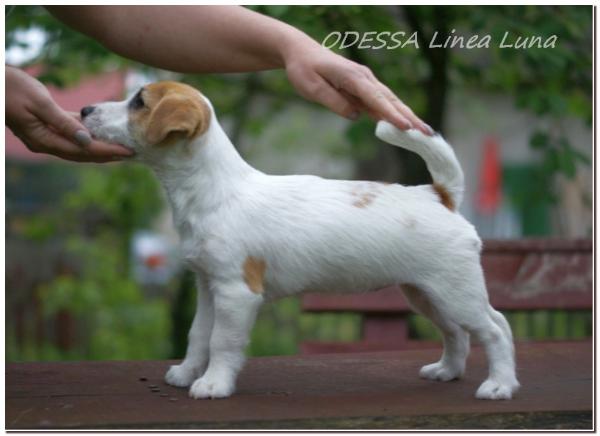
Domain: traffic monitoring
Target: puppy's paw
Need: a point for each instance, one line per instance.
(180, 375)
(497, 390)
(211, 387)
(441, 372)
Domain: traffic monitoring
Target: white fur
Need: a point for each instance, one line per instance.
(313, 237)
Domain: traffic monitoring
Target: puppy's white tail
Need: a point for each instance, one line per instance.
(448, 178)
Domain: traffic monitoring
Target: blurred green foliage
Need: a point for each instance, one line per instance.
(112, 315)
(110, 203)
(114, 318)
(63, 49)
(100, 215)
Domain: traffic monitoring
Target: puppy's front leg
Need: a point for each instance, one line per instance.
(235, 309)
(196, 356)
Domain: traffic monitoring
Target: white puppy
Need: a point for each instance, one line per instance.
(252, 237)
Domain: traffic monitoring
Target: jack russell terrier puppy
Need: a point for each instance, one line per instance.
(251, 237)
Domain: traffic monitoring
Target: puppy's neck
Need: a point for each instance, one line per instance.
(206, 174)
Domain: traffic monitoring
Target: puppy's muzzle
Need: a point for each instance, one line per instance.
(85, 111)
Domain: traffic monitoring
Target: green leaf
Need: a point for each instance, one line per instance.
(566, 163)
(551, 161)
(539, 140)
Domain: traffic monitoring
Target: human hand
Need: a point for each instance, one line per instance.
(345, 87)
(44, 127)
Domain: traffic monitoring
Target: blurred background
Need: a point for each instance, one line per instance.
(92, 267)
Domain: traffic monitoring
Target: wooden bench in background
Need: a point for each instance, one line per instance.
(536, 274)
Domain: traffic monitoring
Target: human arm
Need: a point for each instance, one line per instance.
(210, 39)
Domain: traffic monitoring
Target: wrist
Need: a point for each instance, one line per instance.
(293, 44)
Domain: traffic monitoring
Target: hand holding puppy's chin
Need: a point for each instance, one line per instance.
(117, 152)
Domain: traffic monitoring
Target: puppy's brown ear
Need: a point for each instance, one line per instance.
(177, 115)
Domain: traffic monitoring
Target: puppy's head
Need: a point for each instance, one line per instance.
(160, 118)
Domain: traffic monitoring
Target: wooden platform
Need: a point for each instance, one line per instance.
(365, 390)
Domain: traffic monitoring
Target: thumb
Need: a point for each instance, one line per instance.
(63, 123)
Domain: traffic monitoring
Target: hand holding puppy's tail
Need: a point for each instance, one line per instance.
(437, 153)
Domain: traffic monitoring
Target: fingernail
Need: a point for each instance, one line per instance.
(354, 115)
(126, 153)
(428, 129)
(83, 138)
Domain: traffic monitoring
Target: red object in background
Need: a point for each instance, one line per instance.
(490, 178)
(154, 261)
(102, 87)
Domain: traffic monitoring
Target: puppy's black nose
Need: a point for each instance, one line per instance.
(87, 110)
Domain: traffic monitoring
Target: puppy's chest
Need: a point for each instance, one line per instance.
(198, 245)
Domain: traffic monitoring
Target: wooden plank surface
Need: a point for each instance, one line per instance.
(367, 390)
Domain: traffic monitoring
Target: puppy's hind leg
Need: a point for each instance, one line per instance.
(456, 341)
(463, 299)
(498, 342)
(499, 319)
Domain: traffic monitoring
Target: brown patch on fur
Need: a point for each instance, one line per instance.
(365, 193)
(364, 200)
(172, 110)
(444, 195)
(254, 274)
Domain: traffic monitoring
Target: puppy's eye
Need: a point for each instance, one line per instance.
(137, 102)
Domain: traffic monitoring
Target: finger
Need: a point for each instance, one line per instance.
(83, 158)
(400, 106)
(337, 102)
(70, 156)
(359, 105)
(62, 122)
(42, 140)
(406, 111)
(375, 99)
(104, 149)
